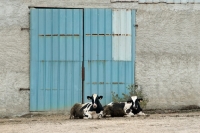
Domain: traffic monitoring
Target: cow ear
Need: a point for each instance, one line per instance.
(129, 101)
(100, 97)
(140, 99)
(89, 97)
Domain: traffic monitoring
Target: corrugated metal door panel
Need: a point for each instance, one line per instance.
(133, 42)
(122, 35)
(97, 51)
(97, 29)
(56, 58)
(123, 55)
(34, 59)
(103, 73)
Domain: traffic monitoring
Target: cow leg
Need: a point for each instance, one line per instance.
(88, 115)
(141, 113)
(130, 114)
(100, 115)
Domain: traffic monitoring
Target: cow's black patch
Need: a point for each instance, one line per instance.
(117, 110)
(118, 105)
(137, 107)
(128, 111)
(96, 101)
(98, 109)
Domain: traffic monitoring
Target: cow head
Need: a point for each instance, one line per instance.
(135, 102)
(95, 100)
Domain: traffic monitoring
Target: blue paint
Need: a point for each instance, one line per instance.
(57, 54)
(102, 74)
(56, 58)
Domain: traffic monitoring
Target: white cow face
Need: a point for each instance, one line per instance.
(135, 102)
(95, 100)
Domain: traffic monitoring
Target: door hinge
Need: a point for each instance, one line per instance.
(25, 28)
(24, 89)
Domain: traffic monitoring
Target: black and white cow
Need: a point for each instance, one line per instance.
(120, 109)
(88, 110)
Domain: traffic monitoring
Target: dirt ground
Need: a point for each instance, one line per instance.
(176, 122)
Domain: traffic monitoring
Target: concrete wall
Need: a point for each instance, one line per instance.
(167, 49)
(167, 54)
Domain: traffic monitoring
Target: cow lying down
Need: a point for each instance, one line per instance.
(120, 109)
(89, 110)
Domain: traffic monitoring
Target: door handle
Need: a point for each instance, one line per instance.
(83, 73)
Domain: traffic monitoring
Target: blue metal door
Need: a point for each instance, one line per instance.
(59, 50)
(56, 58)
(109, 46)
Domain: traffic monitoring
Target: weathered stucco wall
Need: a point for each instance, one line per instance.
(167, 49)
(167, 54)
